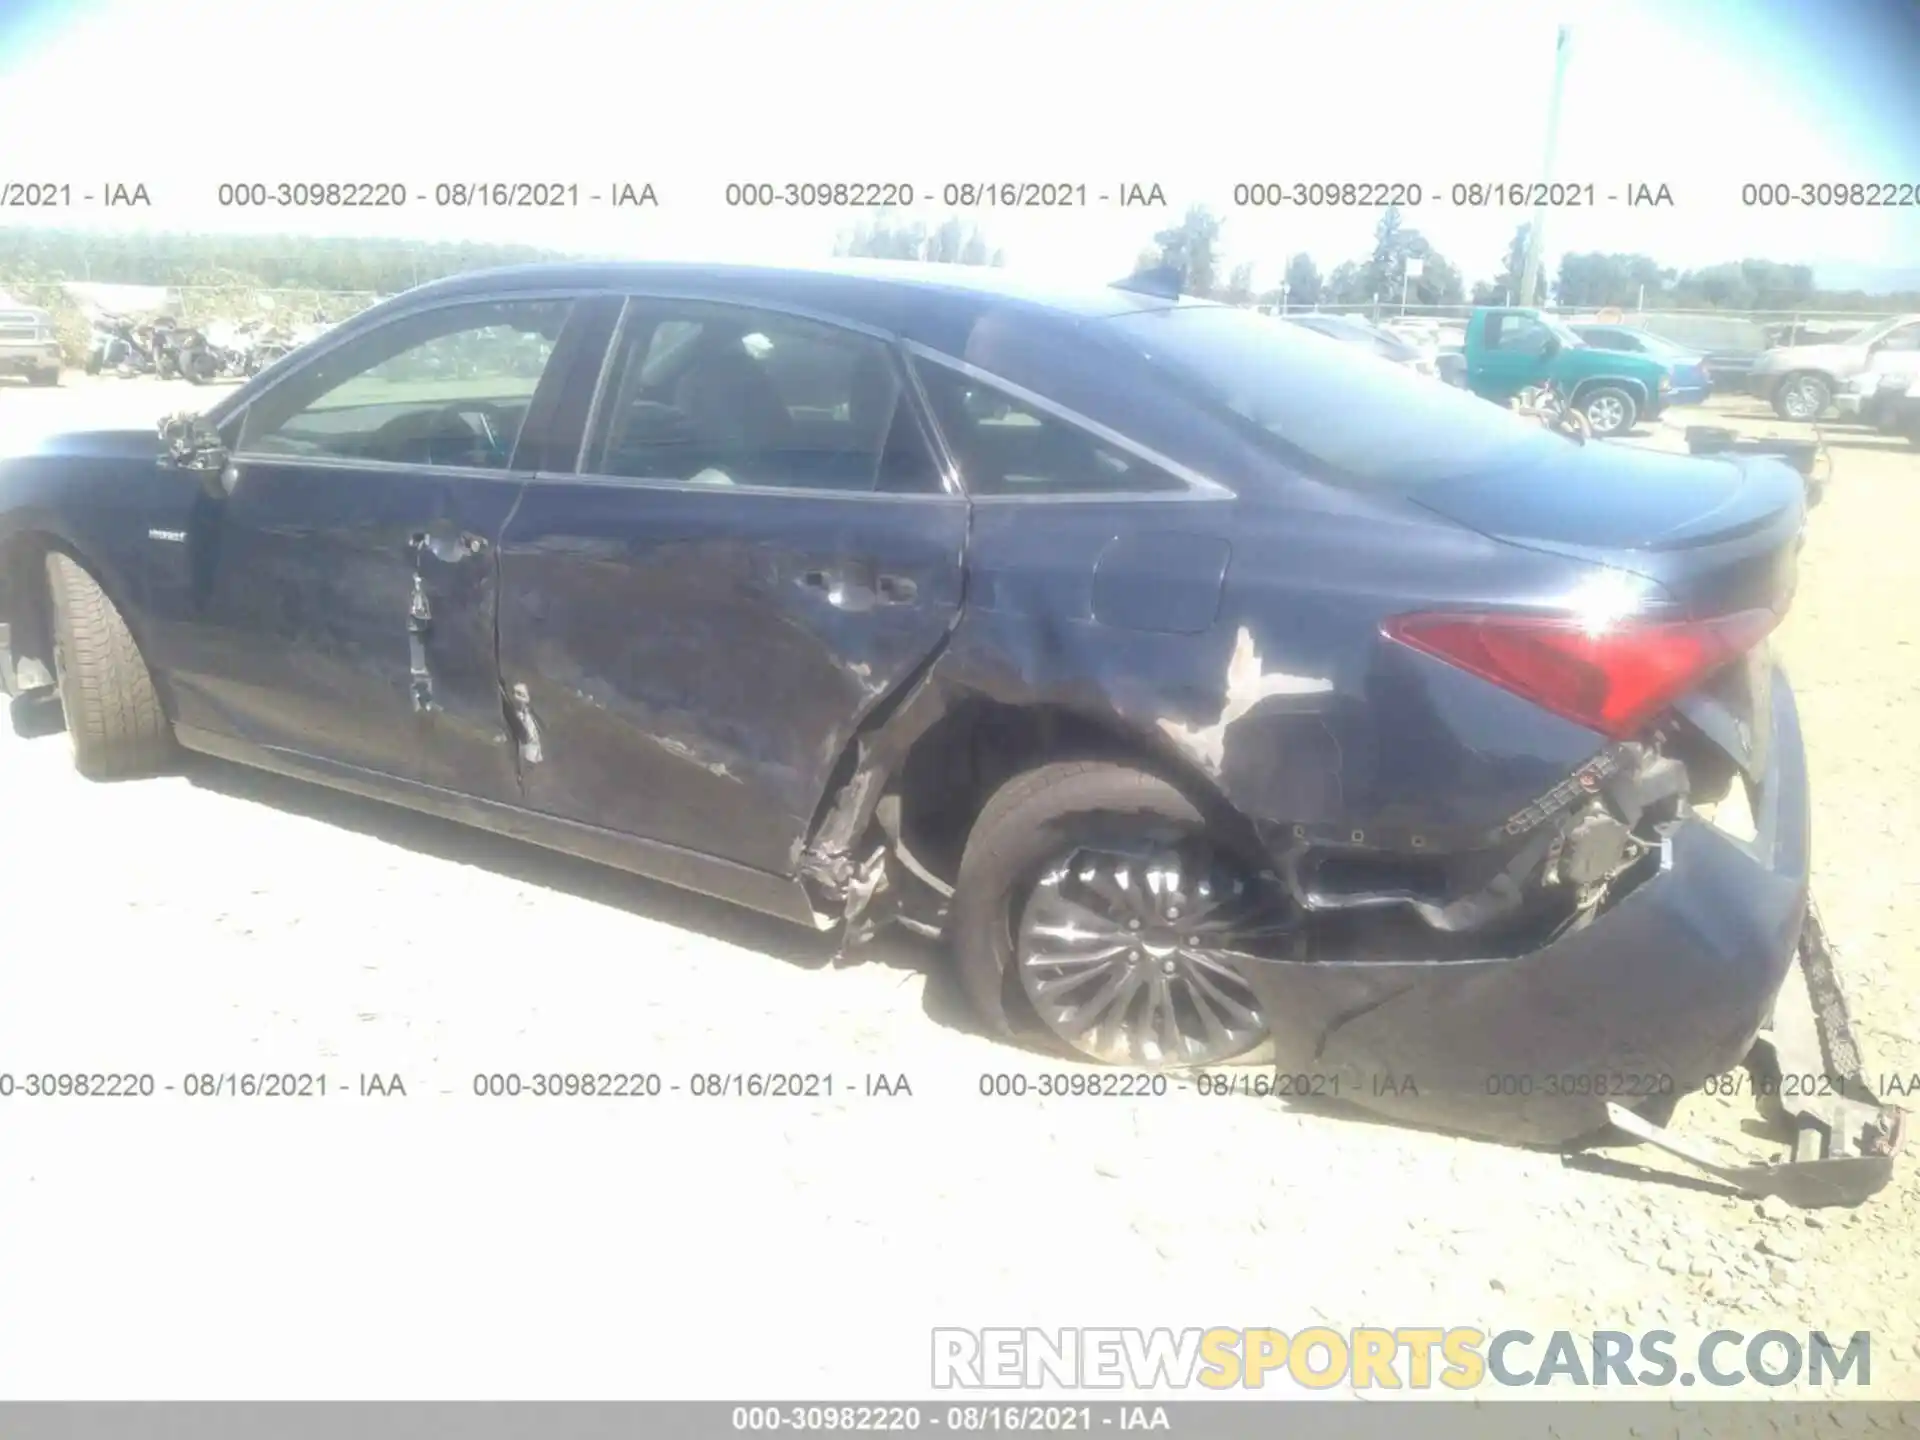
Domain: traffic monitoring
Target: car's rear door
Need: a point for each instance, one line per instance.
(756, 548)
(338, 604)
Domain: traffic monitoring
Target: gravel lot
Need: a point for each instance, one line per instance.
(443, 1244)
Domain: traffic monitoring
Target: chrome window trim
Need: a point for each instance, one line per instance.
(911, 396)
(383, 467)
(690, 487)
(1199, 487)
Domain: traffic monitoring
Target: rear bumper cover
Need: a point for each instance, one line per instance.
(1659, 992)
(30, 359)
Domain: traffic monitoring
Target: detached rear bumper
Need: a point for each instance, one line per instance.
(1662, 990)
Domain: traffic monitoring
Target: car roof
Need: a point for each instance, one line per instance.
(906, 296)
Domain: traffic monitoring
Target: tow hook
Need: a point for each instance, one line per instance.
(1844, 1139)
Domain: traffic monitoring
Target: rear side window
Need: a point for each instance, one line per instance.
(1007, 447)
(1334, 410)
(724, 395)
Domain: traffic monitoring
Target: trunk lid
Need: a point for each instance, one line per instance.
(1717, 537)
(1717, 534)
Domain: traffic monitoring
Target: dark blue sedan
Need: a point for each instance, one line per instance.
(1692, 378)
(1216, 689)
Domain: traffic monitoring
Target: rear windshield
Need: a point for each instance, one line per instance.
(1349, 414)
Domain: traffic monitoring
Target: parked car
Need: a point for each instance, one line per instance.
(29, 345)
(1730, 344)
(1692, 378)
(1874, 396)
(1352, 330)
(1903, 414)
(1800, 381)
(1213, 689)
(1510, 350)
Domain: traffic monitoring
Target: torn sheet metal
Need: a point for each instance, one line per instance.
(1247, 685)
(419, 623)
(526, 726)
(1844, 1139)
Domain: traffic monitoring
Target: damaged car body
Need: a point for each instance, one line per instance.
(1219, 693)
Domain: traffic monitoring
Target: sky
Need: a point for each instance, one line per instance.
(1701, 96)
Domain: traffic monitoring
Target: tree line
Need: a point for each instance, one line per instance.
(1584, 280)
(34, 262)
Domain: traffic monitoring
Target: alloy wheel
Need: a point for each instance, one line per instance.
(1606, 414)
(1127, 953)
(1804, 399)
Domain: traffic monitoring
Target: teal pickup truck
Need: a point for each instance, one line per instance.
(1509, 350)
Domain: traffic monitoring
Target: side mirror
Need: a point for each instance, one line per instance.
(188, 442)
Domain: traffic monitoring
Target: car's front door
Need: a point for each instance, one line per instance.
(1515, 354)
(338, 603)
(757, 549)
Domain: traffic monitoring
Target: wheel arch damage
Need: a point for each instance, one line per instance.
(1397, 926)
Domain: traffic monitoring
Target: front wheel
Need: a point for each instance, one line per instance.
(113, 712)
(1609, 410)
(1803, 397)
(1093, 899)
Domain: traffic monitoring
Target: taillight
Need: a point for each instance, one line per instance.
(1612, 679)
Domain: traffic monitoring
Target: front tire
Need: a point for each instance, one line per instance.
(1609, 410)
(113, 712)
(45, 379)
(1092, 900)
(1803, 397)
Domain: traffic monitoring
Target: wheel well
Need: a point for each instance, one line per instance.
(949, 773)
(1618, 382)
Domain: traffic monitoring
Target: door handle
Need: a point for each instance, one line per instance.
(447, 546)
(845, 587)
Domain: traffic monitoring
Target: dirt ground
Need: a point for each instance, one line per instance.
(440, 1243)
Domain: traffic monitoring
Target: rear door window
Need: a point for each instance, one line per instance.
(724, 395)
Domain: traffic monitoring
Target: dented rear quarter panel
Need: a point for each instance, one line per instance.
(1264, 670)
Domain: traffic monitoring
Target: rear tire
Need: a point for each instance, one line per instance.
(1014, 854)
(113, 712)
(44, 379)
(1609, 410)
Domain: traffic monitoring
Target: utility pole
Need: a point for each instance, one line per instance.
(1531, 273)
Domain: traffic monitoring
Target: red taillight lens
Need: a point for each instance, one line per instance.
(1612, 679)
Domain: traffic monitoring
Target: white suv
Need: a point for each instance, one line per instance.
(28, 344)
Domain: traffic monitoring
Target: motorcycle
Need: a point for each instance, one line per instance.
(118, 346)
(200, 357)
